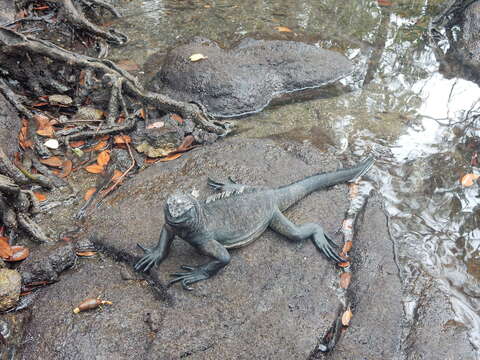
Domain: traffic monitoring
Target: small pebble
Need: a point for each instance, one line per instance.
(52, 144)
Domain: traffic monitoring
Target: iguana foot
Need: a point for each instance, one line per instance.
(150, 259)
(192, 275)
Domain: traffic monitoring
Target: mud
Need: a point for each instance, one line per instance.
(245, 78)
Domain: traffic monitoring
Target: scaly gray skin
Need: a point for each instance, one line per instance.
(236, 217)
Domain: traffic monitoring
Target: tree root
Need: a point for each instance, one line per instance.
(122, 84)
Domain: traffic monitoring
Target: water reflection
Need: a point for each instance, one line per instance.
(399, 105)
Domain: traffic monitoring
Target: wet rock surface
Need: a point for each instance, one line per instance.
(274, 300)
(246, 78)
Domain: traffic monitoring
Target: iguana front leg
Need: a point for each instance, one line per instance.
(156, 255)
(193, 274)
(322, 241)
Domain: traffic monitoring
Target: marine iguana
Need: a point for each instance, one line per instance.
(235, 217)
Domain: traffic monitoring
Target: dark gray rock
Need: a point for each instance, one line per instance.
(273, 301)
(246, 78)
(9, 127)
(47, 262)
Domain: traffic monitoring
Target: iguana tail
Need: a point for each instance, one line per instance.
(290, 194)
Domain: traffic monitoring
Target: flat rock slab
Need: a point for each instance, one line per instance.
(272, 300)
(244, 79)
(9, 127)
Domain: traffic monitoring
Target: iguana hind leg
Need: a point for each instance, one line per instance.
(322, 241)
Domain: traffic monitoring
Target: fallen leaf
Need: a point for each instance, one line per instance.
(52, 144)
(116, 175)
(151, 161)
(128, 65)
(47, 132)
(384, 3)
(197, 57)
(67, 168)
(89, 193)
(60, 99)
(171, 157)
(283, 29)
(100, 145)
(345, 279)
(52, 161)
(122, 139)
(40, 104)
(78, 143)
(469, 179)
(86, 253)
(344, 264)
(19, 253)
(39, 196)
(177, 118)
(347, 246)
(103, 158)
(43, 7)
(41, 121)
(5, 249)
(94, 168)
(89, 304)
(346, 317)
(141, 113)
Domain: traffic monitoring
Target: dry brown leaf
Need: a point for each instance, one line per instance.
(283, 29)
(94, 169)
(100, 145)
(77, 143)
(469, 179)
(116, 175)
(122, 139)
(150, 161)
(347, 246)
(89, 193)
(47, 132)
(197, 57)
(141, 113)
(52, 161)
(103, 158)
(41, 121)
(86, 253)
(40, 104)
(5, 249)
(67, 168)
(384, 3)
(177, 118)
(345, 279)
(171, 157)
(39, 196)
(19, 253)
(156, 125)
(346, 317)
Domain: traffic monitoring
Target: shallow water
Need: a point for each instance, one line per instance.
(398, 105)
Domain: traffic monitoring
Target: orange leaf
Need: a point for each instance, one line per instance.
(468, 179)
(89, 193)
(103, 158)
(5, 249)
(40, 196)
(122, 139)
(77, 143)
(346, 317)
(344, 264)
(283, 29)
(345, 279)
(141, 113)
(41, 121)
(94, 168)
(86, 253)
(52, 161)
(151, 161)
(116, 175)
(177, 118)
(101, 145)
(171, 157)
(384, 3)
(19, 253)
(67, 168)
(40, 104)
(48, 131)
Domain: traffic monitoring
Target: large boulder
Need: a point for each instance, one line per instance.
(273, 301)
(244, 79)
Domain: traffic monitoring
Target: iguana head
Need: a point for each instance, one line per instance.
(181, 210)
